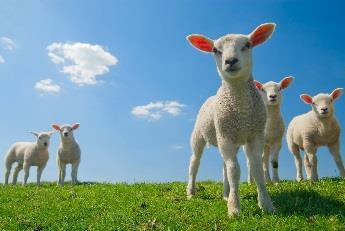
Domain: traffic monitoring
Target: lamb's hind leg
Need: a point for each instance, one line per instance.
(16, 172)
(254, 150)
(334, 150)
(7, 171)
(198, 145)
(74, 173)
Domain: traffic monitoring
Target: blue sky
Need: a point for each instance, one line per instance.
(139, 55)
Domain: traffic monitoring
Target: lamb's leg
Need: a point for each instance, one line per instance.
(197, 144)
(254, 150)
(26, 168)
(310, 151)
(226, 186)
(229, 154)
(7, 171)
(307, 166)
(74, 173)
(266, 164)
(39, 173)
(334, 150)
(298, 162)
(62, 172)
(250, 178)
(16, 172)
(274, 161)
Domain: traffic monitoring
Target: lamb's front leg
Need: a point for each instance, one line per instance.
(266, 166)
(26, 168)
(310, 151)
(74, 173)
(254, 150)
(226, 186)
(275, 149)
(229, 151)
(39, 173)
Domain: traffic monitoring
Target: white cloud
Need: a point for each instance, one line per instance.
(7, 43)
(47, 85)
(83, 62)
(177, 147)
(155, 110)
(2, 60)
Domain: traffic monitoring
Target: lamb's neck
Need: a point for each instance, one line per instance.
(324, 121)
(236, 87)
(68, 142)
(273, 111)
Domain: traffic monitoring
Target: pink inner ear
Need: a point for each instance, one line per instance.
(262, 33)
(336, 93)
(307, 99)
(201, 43)
(258, 85)
(56, 127)
(75, 126)
(286, 82)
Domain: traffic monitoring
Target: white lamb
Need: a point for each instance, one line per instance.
(28, 154)
(313, 129)
(235, 116)
(274, 129)
(68, 153)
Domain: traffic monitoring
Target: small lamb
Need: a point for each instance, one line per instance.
(313, 129)
(68, 153)
(274, 129)
(28, 154)
(235, 116)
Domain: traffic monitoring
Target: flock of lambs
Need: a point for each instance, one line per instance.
(244, 112)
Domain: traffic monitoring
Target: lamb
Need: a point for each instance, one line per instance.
(28, 154)
(68, 153)
(313, 129)
(274, 129)
(235, 116)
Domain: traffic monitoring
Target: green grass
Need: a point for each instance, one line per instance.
(95, 206)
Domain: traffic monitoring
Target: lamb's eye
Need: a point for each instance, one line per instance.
(216, 51)
(263, 90)
(246, 46)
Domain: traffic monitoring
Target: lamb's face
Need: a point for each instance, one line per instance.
(43, 139)
(323, 105)
(233, 52)
(66, 131)
(271, 92)
(233, 56)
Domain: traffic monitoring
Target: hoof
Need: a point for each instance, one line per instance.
(299, 179)
(233, 213)
(225, 198)
(190, 196)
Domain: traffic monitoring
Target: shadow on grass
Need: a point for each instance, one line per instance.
(307, 203)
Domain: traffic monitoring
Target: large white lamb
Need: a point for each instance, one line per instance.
(28, 154)
(313, 129)
(68, 153)
(274, 129)
(235, 116)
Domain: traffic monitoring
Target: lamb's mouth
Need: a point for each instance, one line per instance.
(233, 70)
(273, 100)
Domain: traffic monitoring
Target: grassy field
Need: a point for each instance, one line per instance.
(96, 206)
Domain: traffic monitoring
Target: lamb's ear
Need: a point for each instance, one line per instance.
(75, 126)
(34, 133)
(336, 93)
(261, 33)
(284, 83)
(306, 98)
(258, 85)
(201, 42)
(56, 127)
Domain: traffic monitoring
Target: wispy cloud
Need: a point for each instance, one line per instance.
(2, 60)
(7, 43)
(47, 86)
(155, 110)
(177, 147)
(83, 62)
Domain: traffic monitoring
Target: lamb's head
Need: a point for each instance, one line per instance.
(271, 92)
(43, 138)
(233, 52)
(66, 131)
(322, 104)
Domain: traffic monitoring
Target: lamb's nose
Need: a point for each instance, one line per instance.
(45, 144)
(65, 134)
(325, 109)
(273, 96)
(231, 61)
